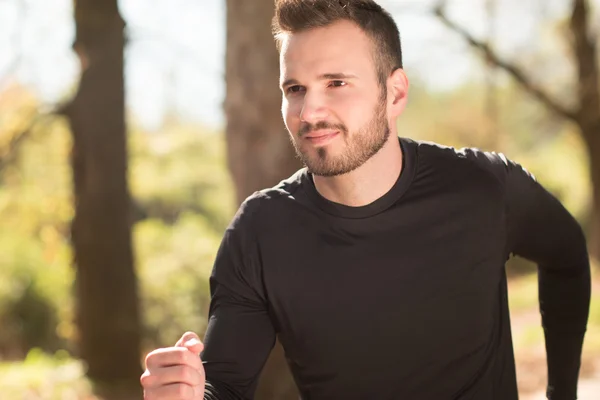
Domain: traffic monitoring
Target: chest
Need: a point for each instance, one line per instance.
(404, 278)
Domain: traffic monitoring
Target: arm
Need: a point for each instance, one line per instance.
(542, 230)
(240, 334)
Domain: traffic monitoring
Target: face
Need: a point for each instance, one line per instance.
(333, 105)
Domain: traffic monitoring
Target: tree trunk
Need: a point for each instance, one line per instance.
(587, 116)
(259, 150)
(591, 136)
(107, 310)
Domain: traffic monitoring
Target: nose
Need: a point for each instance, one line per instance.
(314, 108)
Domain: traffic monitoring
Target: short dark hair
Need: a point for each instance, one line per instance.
(293, 16)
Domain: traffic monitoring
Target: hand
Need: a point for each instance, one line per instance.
(175, 373)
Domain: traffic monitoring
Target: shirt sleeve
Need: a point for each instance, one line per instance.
(541, 230)
(240, 335)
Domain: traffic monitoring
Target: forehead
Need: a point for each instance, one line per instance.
(339, 47)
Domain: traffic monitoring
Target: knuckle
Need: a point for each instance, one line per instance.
(199, 367)
(189, 374)
(145, 378)
(183, 391)
(190, 358)
(150, 357)
(180, 355)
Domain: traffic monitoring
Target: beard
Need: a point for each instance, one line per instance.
(360, 146)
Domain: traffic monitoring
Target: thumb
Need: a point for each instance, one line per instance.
(186, 337)
(191, 341)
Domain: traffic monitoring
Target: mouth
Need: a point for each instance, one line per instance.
(321, 136)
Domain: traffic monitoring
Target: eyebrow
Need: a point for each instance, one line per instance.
(328, 76)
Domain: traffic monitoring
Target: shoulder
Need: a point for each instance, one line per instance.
(283, 189)
(254, 206)
(491, 163)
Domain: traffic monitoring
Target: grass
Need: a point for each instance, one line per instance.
(44, 377)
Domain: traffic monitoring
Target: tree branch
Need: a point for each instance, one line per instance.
(9, 153)
(514, 71)
(584, 48)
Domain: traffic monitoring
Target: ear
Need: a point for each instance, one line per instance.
(398, 85)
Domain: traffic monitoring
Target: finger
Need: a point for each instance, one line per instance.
(170, 375)
(186, 337)
(171, 356)
(175, 391)
(191, 341)
(195, 346)
(199, 391)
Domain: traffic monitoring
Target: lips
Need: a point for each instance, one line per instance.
(319, 134)
(320, 137)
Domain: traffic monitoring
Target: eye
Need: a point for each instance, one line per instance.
(338, 83)
(294, 89)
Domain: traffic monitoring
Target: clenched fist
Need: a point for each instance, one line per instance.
(175, 373)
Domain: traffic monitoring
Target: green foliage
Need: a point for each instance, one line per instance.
(174, 265)
(183, 200)
(34, 267)
(45, 377)
(181, 170)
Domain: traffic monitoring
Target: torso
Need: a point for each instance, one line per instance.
(409, 300)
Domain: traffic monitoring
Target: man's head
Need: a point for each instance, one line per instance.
(341, 78)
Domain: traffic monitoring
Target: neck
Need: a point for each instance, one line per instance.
(367, 183)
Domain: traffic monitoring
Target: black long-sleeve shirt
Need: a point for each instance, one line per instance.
(404, 298)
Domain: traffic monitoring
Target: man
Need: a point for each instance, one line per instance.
(380, 266)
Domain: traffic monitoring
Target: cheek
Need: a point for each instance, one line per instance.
(356, 112)
(347, 108)
(290, 110)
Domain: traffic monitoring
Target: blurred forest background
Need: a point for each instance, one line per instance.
(130, 131)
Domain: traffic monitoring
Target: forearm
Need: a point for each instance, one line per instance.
(240, 334)
(564, 360)
(564, 303)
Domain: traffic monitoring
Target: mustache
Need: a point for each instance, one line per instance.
(308, 127)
